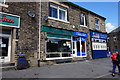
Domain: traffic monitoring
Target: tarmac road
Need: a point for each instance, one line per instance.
(92, 69)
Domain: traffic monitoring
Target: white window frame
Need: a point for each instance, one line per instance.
(85, 25)
(58, 9)
(115, 38)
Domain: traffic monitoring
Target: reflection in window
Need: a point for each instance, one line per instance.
(96, 23)
(58, 48)
(83, 46)
(53, 12)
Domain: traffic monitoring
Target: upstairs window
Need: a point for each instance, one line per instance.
(58, 12)
(96, 24)
(83, 20)
(115, 38)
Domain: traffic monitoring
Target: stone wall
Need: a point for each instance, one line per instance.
(101, 22)
(73, 19)
(25, 38)
(112, 43)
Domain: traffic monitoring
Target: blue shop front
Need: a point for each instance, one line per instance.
(99, 44)
(63, 43)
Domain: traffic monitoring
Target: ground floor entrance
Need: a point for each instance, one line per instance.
(79, 47)
(5, 47)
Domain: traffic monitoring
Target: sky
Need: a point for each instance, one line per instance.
(109, 10)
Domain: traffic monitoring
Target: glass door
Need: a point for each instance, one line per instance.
(5, 48)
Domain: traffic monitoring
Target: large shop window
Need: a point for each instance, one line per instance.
(58, 12)
(57, 48)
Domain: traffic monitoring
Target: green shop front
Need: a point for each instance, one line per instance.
(8, 22)
(63, 43)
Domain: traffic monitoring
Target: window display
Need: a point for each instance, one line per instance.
(58, 48)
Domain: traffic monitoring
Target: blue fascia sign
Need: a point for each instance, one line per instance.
(81, 34)
(98, 35)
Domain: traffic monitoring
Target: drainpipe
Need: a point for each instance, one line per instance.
(39, 34)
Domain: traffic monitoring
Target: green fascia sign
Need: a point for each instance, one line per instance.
(58, 35)
(9, 20)
(57, 30)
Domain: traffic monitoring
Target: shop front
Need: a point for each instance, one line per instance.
(99, 44)
(63, 44)
(7, 23)
(79, 44)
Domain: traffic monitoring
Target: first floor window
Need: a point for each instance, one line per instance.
(58, 48)
(53, 12)
(83, 20)
(58, 12)
(96, 24)
(61, 15)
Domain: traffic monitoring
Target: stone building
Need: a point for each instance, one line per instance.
(114, 40)
(65, 31)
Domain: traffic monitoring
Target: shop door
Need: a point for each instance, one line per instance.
(76, 48)
(5, 47)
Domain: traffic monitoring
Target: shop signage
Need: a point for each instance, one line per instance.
(83, 39)
(82, 34)
(9, 20)
(78, 39)
(98, 35)
(57, 30)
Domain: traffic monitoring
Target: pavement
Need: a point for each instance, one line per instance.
(94, 69)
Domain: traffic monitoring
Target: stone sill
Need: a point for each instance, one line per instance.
(58, 20)
(83, 26)
(3, 5)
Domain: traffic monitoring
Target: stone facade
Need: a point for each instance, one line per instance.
(112, 43)
(25, 39)
(101, 23)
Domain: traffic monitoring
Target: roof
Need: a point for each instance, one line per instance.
(84, 9)
(115, 30)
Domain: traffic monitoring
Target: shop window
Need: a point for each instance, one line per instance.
(58, 12)
(96, 24)
(58, 48)
(83, 20)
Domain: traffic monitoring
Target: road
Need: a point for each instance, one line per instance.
(95, 69)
